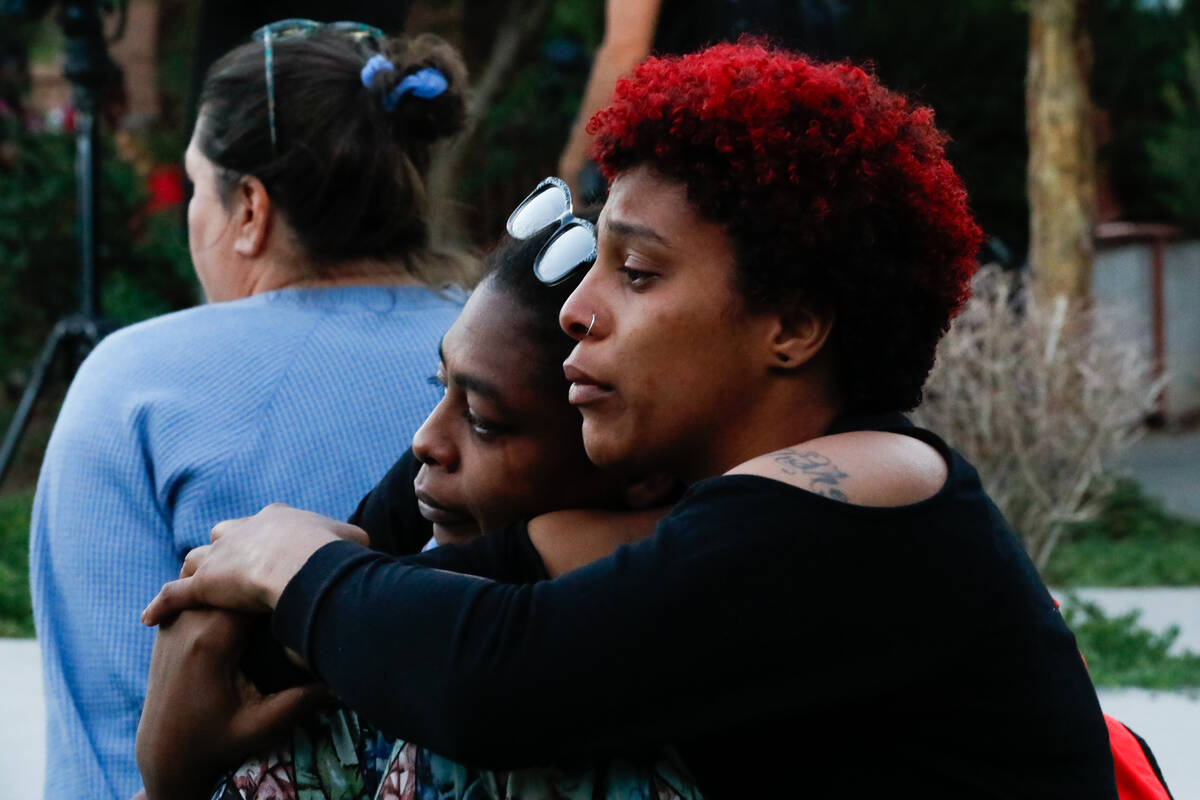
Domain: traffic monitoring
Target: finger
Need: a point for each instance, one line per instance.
(259, 722)
(172, 598)
(193, 560)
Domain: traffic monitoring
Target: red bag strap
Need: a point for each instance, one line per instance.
(1137, 779)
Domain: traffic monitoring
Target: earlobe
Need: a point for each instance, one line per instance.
(798, 336)
(253, 216)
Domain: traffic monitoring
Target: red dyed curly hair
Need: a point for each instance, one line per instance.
(835, 191)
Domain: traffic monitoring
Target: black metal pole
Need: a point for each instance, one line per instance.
(87, 171)
(89, 69)
(77, 329)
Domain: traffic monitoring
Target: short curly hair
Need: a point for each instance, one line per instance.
(835, 191)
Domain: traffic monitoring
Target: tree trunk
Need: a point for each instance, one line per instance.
(1062, 163)
(522, 21)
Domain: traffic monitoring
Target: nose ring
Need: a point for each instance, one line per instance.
(588, 332)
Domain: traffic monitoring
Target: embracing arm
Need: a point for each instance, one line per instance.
(563, 540)
(388, 513)
(690, 632)
(252, 559)
(491, 673)
(664, 623)
(887, 469)
(461, 651)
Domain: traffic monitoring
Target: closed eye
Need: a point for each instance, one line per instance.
(484, 429)
(636, 278)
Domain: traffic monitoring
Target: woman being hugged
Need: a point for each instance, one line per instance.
(502, 445)
(302, 378)
(784, 244)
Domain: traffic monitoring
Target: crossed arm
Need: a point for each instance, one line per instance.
(251, 560)
(203, 715)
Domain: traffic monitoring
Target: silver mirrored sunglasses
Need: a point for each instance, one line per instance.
(573, 243)
(295, 27)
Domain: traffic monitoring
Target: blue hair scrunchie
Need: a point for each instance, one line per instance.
(375, 65)
(425, 83)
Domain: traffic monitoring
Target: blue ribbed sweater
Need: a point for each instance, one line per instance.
(304, 396)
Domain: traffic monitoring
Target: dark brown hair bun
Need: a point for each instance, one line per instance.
(348, 176)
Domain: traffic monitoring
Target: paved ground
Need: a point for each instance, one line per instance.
(22, 720)
(1170, 722)
(1160, 607)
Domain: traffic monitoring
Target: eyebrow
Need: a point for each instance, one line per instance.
(629, 230)
(472, 383)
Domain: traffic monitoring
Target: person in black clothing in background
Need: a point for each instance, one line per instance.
(633, 29)
(783, 246)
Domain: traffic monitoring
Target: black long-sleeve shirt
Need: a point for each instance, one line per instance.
(786, 644)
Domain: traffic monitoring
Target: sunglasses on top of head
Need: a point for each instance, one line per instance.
(571, 246)
(294, 28)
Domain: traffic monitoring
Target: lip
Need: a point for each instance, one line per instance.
(437, 513)
(585, 389)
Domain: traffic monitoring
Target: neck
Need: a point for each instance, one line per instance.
(794, 408)
(273, 275)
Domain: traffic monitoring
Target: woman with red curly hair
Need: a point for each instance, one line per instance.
(835, 607)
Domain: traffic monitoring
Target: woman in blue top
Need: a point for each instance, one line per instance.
(302, 378)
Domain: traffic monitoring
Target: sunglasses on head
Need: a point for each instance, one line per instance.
(573, 243)
(296, 28)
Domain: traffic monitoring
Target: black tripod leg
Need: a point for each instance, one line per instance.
(20, 420)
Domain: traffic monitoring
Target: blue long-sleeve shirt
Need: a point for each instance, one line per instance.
(303, 396)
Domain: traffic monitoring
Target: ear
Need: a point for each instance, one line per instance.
(252, 216)
(797, 336)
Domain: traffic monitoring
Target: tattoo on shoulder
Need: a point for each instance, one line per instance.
(823, 475)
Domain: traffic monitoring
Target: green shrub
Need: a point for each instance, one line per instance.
(1038, 397)
(16, 611)
(1133, 542)
(1174, 149)
(1120, 653)
(142, 263)
(1145, 78)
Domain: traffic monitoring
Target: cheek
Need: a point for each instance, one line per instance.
(535, 477)
(674, 358)
(193, 222)
(689, 369)
(208, 222)
(201, 230)
(492, 483)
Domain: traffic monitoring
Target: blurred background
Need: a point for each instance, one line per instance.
(1072, 380)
